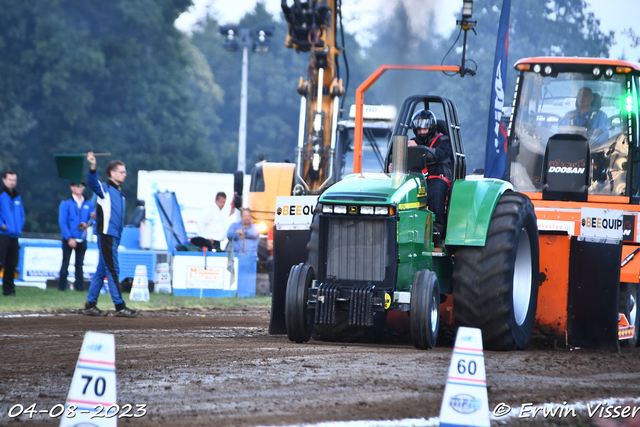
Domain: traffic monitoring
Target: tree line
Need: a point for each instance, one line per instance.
(118, 77)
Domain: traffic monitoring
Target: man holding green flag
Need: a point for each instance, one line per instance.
(110, 213)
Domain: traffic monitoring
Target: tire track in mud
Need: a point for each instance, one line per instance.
(221, 368)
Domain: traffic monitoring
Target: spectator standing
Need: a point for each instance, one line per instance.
(12, 220)
(110, 214)
(73, 217)
(243, 234)
(213, 225)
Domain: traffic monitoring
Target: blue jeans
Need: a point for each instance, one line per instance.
(80, 249)
(107, 267)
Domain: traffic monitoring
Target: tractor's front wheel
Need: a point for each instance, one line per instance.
(424, 317)
(299, 318)
(495, 287)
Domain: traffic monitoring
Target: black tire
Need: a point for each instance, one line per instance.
(424, 317)
(298, 317)
(263, 252)
(629, 306)
(495, 287)
(126, 284)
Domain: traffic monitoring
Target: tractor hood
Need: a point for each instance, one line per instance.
(378, 189)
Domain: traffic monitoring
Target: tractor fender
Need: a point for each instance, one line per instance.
(470, 209)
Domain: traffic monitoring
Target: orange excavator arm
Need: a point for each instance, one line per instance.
(312, 28)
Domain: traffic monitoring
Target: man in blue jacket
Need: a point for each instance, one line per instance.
(73, 217)
(109, 225)
(12, 220)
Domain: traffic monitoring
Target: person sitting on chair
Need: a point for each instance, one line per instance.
(588, 115)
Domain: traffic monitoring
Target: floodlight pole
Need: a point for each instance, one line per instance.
(245, 39)
(242, 132)
(466, 24)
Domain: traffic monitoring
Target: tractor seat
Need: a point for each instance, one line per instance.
(442, 128)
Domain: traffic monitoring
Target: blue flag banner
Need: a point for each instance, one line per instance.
(496, 153)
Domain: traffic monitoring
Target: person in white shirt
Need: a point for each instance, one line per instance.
(213, 225)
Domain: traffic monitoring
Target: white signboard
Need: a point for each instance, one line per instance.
(295, 212)
(553, 225)
(43, 263)
(602, 223)
(195, 191)
(189, 272)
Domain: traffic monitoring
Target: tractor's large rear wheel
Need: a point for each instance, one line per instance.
(299, 318)
(629, 306)
(424, 317)
(495, 287)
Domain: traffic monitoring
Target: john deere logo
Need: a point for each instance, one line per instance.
(279, 211)
(353, 209)
(387, 301)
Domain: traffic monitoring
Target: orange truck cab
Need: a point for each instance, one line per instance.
(573, 149)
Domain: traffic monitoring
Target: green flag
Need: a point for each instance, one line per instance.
(70, 166)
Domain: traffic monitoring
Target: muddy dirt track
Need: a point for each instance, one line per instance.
(222, 368)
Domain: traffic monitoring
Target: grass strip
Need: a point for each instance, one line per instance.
(35, 299)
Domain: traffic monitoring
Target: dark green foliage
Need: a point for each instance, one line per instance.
(117, 77)
(104, 76)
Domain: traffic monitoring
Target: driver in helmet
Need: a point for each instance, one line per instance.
(437, 174)
(593, 119)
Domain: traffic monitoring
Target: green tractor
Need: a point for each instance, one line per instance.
(371, 251)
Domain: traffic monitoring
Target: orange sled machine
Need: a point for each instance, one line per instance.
(572, 146)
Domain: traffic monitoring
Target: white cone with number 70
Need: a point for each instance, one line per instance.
(92, 396)
(465, 401)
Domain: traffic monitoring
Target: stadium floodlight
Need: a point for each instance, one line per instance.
(257, 40)
(467, 9)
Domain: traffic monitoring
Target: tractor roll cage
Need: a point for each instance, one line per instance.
(449, 126)
(357, 137)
